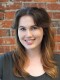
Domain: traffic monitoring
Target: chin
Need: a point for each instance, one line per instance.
(30, 47)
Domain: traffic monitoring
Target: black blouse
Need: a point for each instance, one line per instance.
(6, 72)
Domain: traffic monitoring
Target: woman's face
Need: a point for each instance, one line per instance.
(29, 34)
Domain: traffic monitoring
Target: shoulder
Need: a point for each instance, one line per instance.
(5, 62)
(5, 58)
(57, 58)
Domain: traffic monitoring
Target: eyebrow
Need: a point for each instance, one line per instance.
(24, 26)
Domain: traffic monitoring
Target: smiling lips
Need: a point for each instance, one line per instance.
(29, 41)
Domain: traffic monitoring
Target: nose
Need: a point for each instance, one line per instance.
(28, 33)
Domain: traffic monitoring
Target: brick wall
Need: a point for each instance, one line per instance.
(7, 11)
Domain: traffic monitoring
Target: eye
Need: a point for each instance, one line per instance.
(22, 29)
(34, 27)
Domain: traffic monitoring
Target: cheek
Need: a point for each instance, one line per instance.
(20, 35)
(39, 34)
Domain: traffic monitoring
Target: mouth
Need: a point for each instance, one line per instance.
(29, 41)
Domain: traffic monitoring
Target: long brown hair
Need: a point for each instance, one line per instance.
(41, 18)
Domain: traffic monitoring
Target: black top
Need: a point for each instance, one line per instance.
(6, 70)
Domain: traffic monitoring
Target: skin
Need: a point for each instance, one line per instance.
(30, 37)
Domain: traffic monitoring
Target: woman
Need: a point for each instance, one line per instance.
(33, 58)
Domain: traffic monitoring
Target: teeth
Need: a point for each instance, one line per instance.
(29, 40)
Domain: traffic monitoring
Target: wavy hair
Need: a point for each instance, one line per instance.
(41, 19)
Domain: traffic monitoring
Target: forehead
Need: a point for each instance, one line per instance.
(26, 21)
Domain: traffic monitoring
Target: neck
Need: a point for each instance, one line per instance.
(34, 53)
(34, 63)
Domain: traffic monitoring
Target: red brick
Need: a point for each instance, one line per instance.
(58, 47)
(45, 0)
(56, 15)
(56, 24)
(13, 6)
(54, 30)
(1, 15)
(50, 14)
(52, 6)
(22, 0)
(7, 41)
(57, 52)
(4, 32)
(9, 15)
(39, 5)
(6, 24)
(1, 49)
(29, 5)
(3, 0)
(4, 49)
(1, 23)
(13, 32)
(34, 5)
(58, 30)
(55, 49)
(13, 48)
(2, 7)
(1, 41)
(57, 38)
